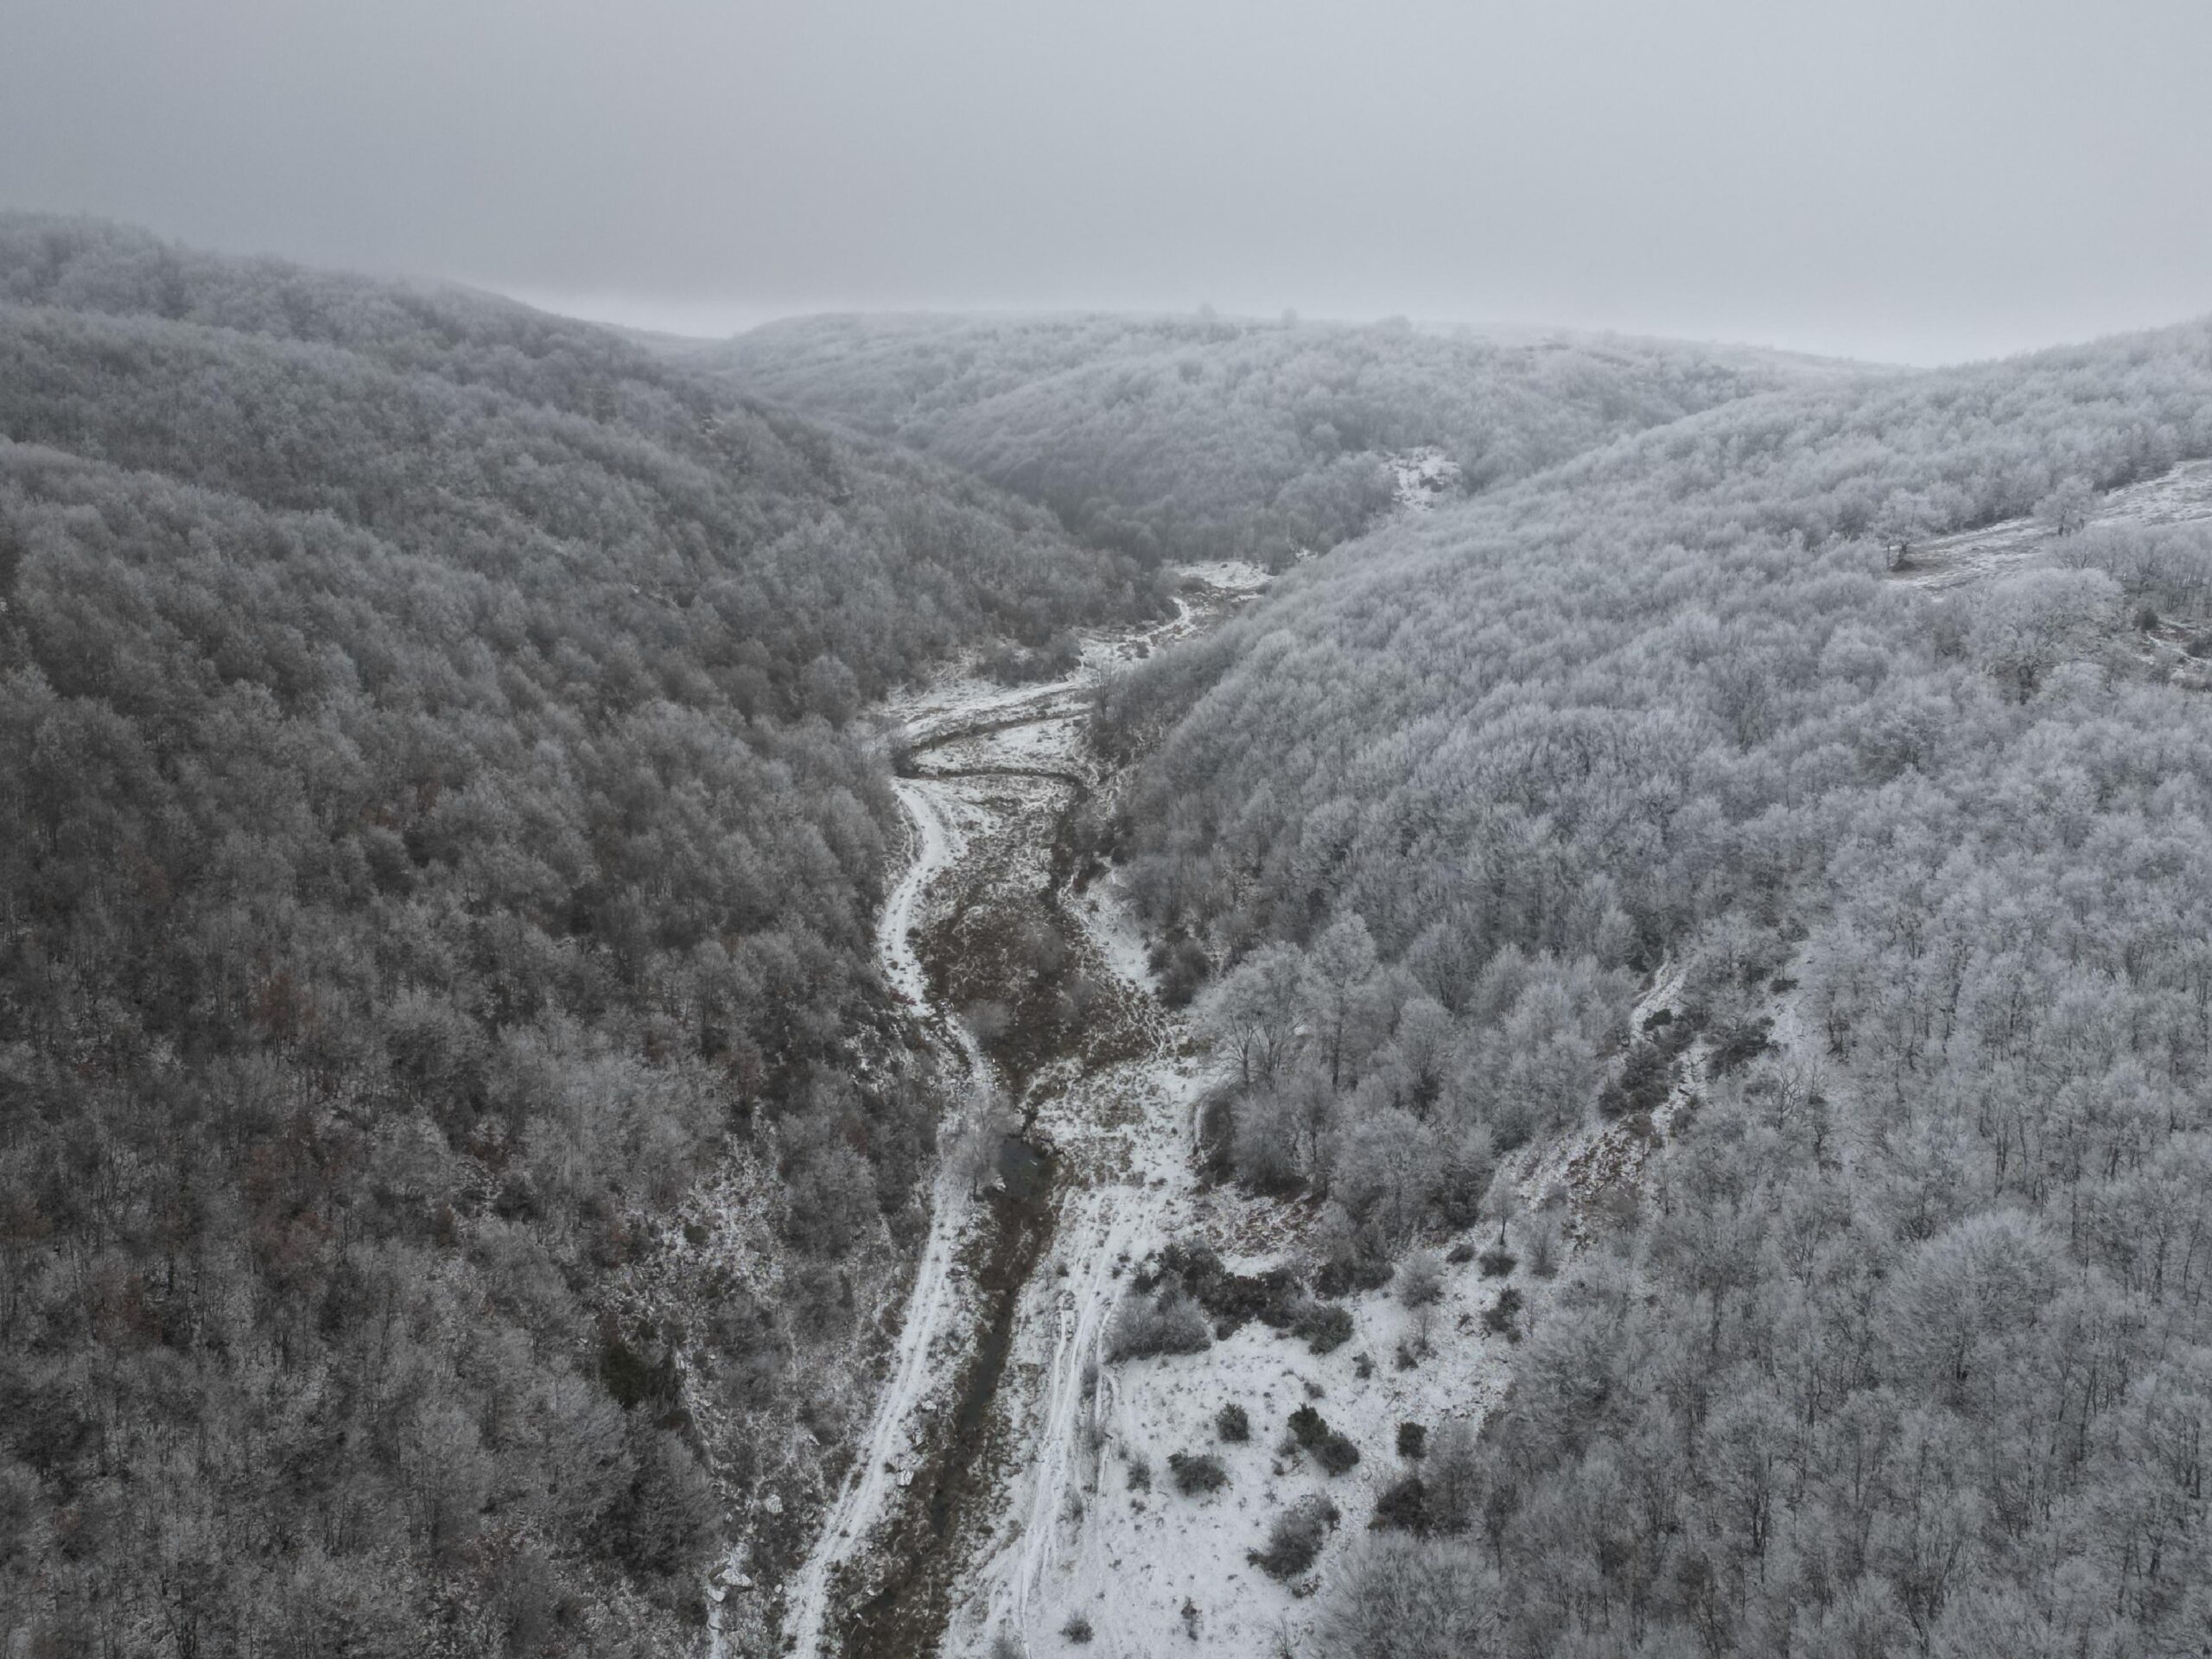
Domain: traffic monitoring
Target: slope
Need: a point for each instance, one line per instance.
(1911, 1307)
(455, 1148)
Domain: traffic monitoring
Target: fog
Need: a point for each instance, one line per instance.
(1910, 181)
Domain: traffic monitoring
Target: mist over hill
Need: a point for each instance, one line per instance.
(1199, 437)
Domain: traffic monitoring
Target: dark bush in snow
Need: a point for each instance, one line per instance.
(1402, 1506)
(1197, 1472)
(1294, 1540)
(1325, 1326)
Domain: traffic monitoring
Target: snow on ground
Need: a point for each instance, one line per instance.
(1422, 476)
(1080, 1533)
(1573, 1174)
(1229, 575)
(2180, 496)
(1075, 1530)
(1148, 1568)
(932, 1331)
(992, 730)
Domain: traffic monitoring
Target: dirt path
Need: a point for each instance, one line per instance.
(884, 1463)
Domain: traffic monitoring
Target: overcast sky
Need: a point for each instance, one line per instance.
(1912, 179)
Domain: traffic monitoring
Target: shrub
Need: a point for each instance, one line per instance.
(1413, 1441)
(1140, 1468)
(1343, 1274)
(1169, 1323)
(1294, 1540)
(1420, 1280)
(1498, 1317)
(1308, 1427)
(1647, 1073)
(1272, 1297)
(1182, 968)
(1740, 1045)
(1232, 1423)
(1335, 1454)
(1325, 1326)
(1403, 1506)
(1197, 1472)
(1461, 1253)
(1076, 1630)
(1496, 1262)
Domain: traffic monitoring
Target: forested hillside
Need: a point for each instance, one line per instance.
(1201, 437)
(431, 843)
(1906, 1345)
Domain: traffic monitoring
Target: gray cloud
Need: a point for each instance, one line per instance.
(1915, 181)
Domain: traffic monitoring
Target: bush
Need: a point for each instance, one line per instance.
(1740, 1045)
(1413, 1441)
(1294, 1540)
(1344, 1274)
(1232, 1423)
(1403, 1506)
(1076, 1630)
(1181, 967)
(1498, 1317)
(1325, 1325)
(1647, 1073)
(1169, 1323)
(1308, 1427)
(1335, 1454)
(1197, 1472)
(1498, 1262)
(1420, 1280)
(1272, 1297)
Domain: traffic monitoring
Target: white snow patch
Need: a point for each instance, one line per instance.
(1421, 477)
(2182, 496)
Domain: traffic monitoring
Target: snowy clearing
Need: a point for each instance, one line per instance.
(2180, 496)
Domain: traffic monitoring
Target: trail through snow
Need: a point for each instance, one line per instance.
(1009, 733)
(885, 1456)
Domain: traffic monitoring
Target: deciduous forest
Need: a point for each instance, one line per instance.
(1203, 437)
(1727, 879)
(433, 832)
